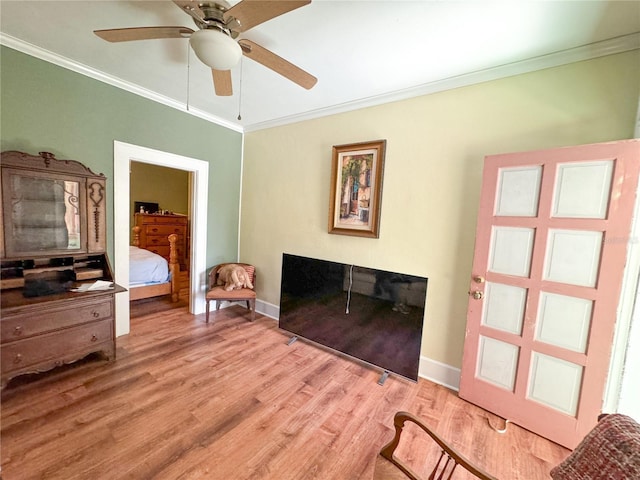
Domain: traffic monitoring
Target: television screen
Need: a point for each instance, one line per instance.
(372, 315)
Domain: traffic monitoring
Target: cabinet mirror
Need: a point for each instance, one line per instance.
(50, 206)
(44, 213)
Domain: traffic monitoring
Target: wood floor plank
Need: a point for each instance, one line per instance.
(232, 400)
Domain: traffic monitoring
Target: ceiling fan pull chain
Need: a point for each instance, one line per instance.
(240, 91)
(188, 73)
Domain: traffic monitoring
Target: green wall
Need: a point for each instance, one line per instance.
(48, 108)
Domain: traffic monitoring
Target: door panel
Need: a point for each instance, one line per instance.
(555, 383)
(504, 307)
(551, 244)
(564, 321)
(518, 191)
(511, 250)
(573, 257)
(573, 179)
(498, 361)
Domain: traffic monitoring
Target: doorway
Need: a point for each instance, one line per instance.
(162, 190)
(125, 153)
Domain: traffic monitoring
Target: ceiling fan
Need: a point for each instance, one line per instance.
(214, 42)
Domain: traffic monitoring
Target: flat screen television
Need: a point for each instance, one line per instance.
(371, 315)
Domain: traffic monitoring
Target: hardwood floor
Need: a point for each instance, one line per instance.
(231, 400)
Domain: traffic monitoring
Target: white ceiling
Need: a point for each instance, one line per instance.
(362, 52)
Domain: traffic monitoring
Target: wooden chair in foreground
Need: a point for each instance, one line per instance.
(389, 467)
(218, 294)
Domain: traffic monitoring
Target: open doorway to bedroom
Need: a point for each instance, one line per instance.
(198, 171)
(159, 206)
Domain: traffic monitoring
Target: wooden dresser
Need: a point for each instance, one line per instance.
(155, 230)
(53, 240)
(41, 333)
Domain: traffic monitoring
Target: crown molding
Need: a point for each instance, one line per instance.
(47, 56)
(587, 52)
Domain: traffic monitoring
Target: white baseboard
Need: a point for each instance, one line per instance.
(429, 369)
(268, 309)
(439, 373)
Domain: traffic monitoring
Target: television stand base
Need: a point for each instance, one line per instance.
(292, 339)
(383, 377)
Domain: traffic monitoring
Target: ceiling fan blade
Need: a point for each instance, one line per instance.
(143, 33)
(254, 12)
(277, 64)
(222, 82)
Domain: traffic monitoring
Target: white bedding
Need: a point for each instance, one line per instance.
(146, 267)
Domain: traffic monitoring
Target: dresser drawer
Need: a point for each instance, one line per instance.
(164, 230)
(26, 325)
(160, 219)
(64, 345)
(156, 240)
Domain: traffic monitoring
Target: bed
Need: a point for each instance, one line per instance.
(150, 275)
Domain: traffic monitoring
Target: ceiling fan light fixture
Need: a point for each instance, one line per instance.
(215, 49)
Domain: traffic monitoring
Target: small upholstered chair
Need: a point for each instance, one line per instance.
(389, 467)
(610, 450)
(218, 294)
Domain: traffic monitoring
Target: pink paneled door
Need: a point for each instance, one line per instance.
(551, 246)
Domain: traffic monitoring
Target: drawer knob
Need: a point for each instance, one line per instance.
(95, 314)
(17, 330)
(94, 338)
(17, 358)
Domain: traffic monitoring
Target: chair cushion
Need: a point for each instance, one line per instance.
(610, 451)
(250, 269)
(220, 293)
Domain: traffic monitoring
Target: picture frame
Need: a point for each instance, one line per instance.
(356, 188)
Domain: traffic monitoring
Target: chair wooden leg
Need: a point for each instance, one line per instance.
(207, 302)
(252, 308)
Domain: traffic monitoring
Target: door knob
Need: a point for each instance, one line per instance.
(477, 295)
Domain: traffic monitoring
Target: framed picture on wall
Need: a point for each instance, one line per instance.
(356, 189)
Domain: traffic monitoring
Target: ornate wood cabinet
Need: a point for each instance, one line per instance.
(53, 240)
(155, 230)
